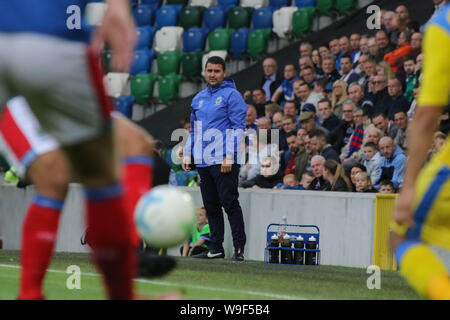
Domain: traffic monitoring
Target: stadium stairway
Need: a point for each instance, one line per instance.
(167, 118)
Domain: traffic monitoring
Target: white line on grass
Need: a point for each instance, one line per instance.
(169, 284)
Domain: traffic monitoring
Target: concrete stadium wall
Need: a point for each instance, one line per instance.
(346, 221)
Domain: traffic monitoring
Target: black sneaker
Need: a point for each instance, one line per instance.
(153, 266)
(210, 255)
(238, 255)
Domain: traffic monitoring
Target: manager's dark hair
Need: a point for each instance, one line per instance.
(216, 60)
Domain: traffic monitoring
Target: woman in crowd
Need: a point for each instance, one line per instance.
(334, 173)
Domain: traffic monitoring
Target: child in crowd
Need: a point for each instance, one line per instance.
(290, 181)
(198, 243)
(371, 160)
(363, 182)
(386, 187)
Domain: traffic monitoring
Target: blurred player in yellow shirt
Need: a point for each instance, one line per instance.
(420, 233)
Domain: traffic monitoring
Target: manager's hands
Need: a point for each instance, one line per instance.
(226, 166)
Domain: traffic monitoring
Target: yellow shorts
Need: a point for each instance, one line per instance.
(432, 203)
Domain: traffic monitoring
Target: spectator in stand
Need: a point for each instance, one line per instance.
(271, 79)
(363, 183)
(387, 187)
(306, 180)
(308, 122)
(374, 135)
(412, 78)
(356, 94)
(416, 44)
(264, 123)
(396, 101)
(348, 74)
(398, 25)
(383, 68)
(370, 71)
(371, 160)
(287, 158)
(329, 70)
(327, 118)
(340, 136)
(289, 123)
(319, 86)
(291, 108)
(290, 182)
(305, 49)
(303, 156)
(438, 142)
(438, 7)
(309, 75)
(381, 122)
(383, 44)
(270, 174)
(355, 40)
(324, 50)
(352, 152)
(285, 91)
(304, 62)
(364, 44)
(403, 49)
(259, 101)
(334, 173)
(277, 119)
(354, 170)
(317, 61)
(392, 163)
(345, 48)
(318, 183)
(419, 61)
(372, 46)
(335, 51)
(381, 94)
(402, 122)
(338, 96)
(388, 19)
(320, 146)
(250, 118)
(304, 95)
(272, 108)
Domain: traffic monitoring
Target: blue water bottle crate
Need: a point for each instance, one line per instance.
(292, 244)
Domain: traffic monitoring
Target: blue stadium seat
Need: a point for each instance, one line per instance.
(145, 37)
(305, 3)
(144, 15)
(238, 43)
(167, 15)
(214, 17)
(143, 60)
(124, 105)
(262, 18)
(194, 39)
(277, 4)
(154, 4)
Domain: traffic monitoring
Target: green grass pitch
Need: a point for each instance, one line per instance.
(199, 279)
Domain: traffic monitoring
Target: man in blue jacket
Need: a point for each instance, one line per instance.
(392, 162)
(217, 118)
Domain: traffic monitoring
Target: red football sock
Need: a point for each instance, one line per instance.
(39, 233)
(110, 239)
(137, 180)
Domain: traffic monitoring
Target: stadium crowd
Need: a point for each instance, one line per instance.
(342, 110)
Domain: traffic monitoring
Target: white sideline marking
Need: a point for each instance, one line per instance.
(169, 284)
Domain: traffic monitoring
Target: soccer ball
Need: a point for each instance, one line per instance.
(165, 216)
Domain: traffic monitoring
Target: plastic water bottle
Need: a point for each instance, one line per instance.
(311, 256)
(298, 255)
(286, 255)
(274, 254)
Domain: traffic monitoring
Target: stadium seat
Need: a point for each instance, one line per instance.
(282, 21)
(194, 39)
(143, 60)
(238, 45)
(169, 62)
(324, 6)
(257, 43)
(191, 17)
(124, 105)
(154, 4)
(178, 2)
(142, 86)
(255, 4)
(115, 83)
(302, 20)
(144, 15)
(345, 6)
(262, 18)
(168, 87)
(305, 3)
(219, 39)
(168, 38)
(238, 17)
(145, 37)
(94, 12)
(227, 5)
(220, 53)
(278, 4)
(167, 16)
(202, 3)
(214, 17)
(191, 65)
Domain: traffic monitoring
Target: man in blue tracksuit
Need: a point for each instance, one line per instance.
(216, 136)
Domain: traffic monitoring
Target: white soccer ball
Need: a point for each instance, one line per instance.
(165, 216)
